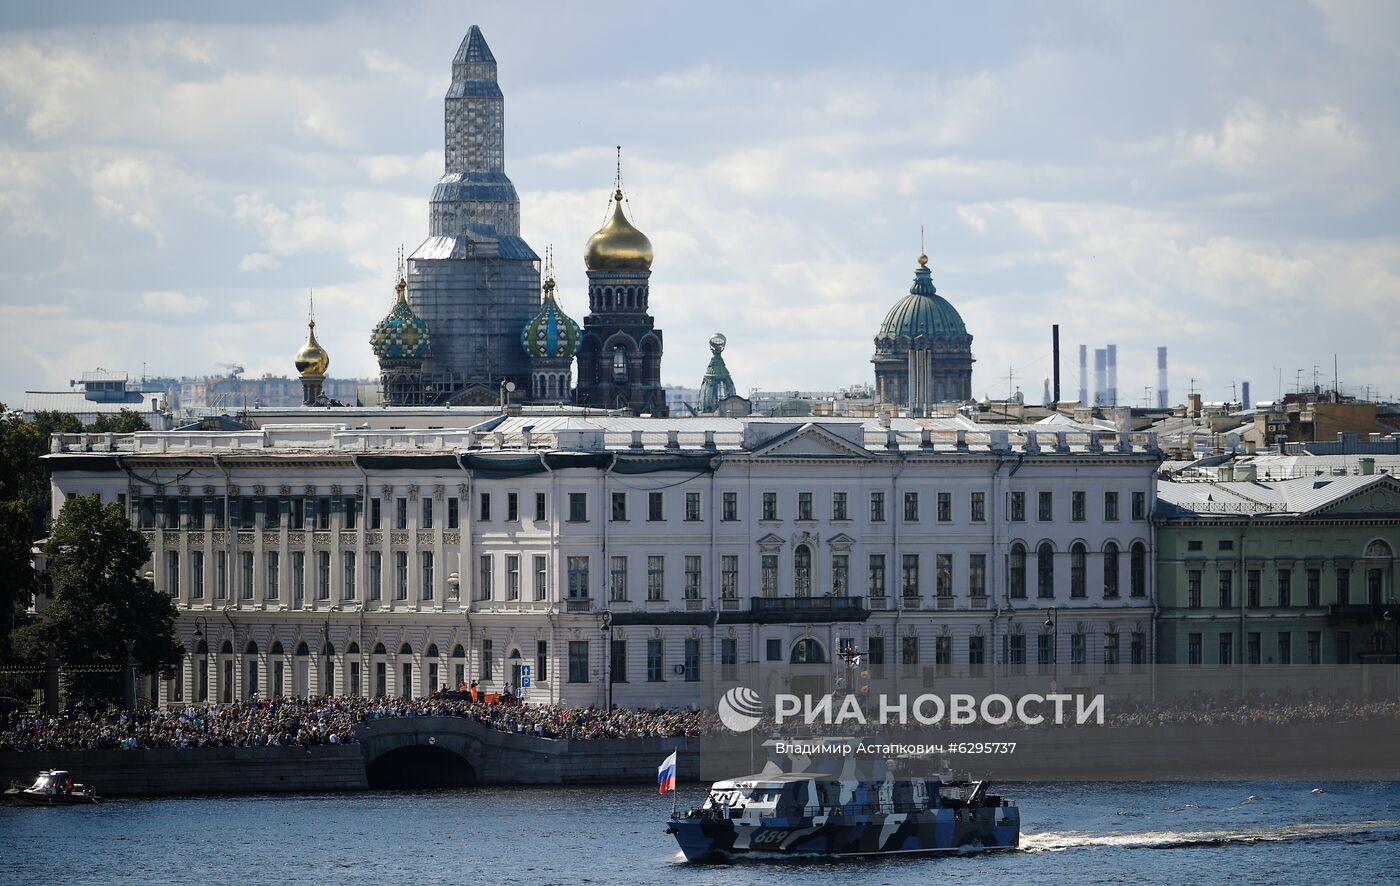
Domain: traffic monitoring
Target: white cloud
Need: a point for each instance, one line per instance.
(174, 303)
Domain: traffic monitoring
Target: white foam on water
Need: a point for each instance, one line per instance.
(1059, 842)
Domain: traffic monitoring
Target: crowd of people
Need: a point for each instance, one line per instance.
(324, 721)
(303, 722)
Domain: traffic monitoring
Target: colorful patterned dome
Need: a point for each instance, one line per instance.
(923, 312)
(402, 335)
(552, 333)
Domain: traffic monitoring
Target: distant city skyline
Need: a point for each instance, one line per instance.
(1215, 179)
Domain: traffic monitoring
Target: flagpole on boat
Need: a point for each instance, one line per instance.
(677, 782)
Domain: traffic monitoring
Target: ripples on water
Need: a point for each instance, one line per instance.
(1243, 832)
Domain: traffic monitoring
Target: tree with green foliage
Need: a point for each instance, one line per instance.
(99, 600)
(124, 422)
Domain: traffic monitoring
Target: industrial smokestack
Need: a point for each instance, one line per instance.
(1162, 401)
(1113, 375)
(1100, 367)
(1245, 402)
(1083, 376)
(1055, 343)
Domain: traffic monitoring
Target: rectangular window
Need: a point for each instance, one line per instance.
(1139, 505)
(617, 661)
(911, 575)
(1285, 648)
(486, 660)
(656, 578)
(768, 575)
(248, 517)
(296, 514)
(376, 575)
(540, 507)
(943, 575)
(1227, 589)
(617, 579)
(578, 578)
(298, 578)
(692, 507)
(1016, 507)
(352, 510)
(1314, 589)
(1110, 506)
(1077, 645)
(541, 577)
(486, 586)
(401, 575)
(513, 577)
(729, 576)
(877, 575)
(1138, 651)
(512, 507)
(1193, 650)
(197, 507)
(840, 575)
(541, 661)
(454, 516)
(838, 506)
(1110, 571)
(1285, 587)
(578, 661)
(172, 573)
(656, 507)
(618, 513)
(730, 505)
(945, 507)
(1253, 582)
(196, 575)
(977, 575)
(909, 655)
(770, 506)
(1344, 649)
(1225, 544)
(875, 654)
(1044, 653)
(877, 507)
(272, 575)
(427, 583)
(578, 507)
(1015, 653)
(978, 507)
(1110, 653)
(272, 512)
(1196, 545)
(773, 649)
(401, 513)
(804, 506)
(692, 660)
(911, 507)
(376, 513)
(1225, 655)
(1193, 589)
(656, 665)
(323, 513)
(1253, 647)
(976, 655)
(347, 570)
(1343, 586)
(1314, 647)
(728, 658)
(245, 590)
(692, 577)
(483, 508)
(1045, 506)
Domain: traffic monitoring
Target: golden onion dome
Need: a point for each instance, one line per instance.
(618, 246)
(312, 359)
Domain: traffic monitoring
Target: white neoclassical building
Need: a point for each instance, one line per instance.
(627, 560)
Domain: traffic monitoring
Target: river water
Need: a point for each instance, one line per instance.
(1237, 832)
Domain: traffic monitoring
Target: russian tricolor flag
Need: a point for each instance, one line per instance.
(666, 775)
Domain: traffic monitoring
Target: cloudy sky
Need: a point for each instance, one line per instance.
(1217, 178)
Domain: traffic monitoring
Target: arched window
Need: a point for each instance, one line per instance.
(328, 650)
(301, 648)
(201, 648)
(405, 649)
(1378, 550)
(1137, 570)
(379, 649)
(276, 648)
(226, 649)
(353, 648)
(1078, 586)
(1110, 570)
(1045, 570)
(619, 364)
(458, 651)
(251, 648)
(802, 571)
(808, 651)
(432, 651)
(1016, 573)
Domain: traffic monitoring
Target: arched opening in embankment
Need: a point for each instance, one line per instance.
(419, 766)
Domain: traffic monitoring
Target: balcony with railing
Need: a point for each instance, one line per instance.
(770, 610)
(1363, 613)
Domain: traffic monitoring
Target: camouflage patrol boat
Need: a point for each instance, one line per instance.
(776, 814)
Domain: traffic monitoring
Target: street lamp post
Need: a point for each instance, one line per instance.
(201, 630)
(1053, 622)
(606, 627)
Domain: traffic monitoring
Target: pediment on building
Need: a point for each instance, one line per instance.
(840, 542)
(1379, 497)
(475, 395)
(811, 441)
(771, 542)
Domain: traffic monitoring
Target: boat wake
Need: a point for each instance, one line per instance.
(1388, 829)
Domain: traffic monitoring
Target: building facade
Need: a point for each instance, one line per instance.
(1271, 584)
(627, 561)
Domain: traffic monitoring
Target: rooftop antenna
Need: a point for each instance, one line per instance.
(1010, 378)
(1336, 385)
